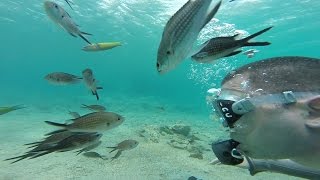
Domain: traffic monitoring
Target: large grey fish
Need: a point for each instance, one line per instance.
(93, 122)
(122, 146)
(94, 107)
(91, 82)
(57, 14)
(61, 78)
(75, 141)
(5, 110)
(181, 31)
(220, 47)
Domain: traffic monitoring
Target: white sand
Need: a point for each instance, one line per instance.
(148, 161)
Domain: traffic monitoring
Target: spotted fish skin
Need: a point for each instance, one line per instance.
(181, 31)
(220, 47)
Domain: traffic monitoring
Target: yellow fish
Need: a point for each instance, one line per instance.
(101, 46)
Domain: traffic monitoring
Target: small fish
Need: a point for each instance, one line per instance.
(96, 108)
(181, 31)
(101, 46)
(250, 53)
(92, 122)
(61, 78)
(124, 145)
(74, 114)
(77, 140)
(57, 14)
(90, 82)
(5, 110)
(220, 47)
(93, 154)
(69, 3)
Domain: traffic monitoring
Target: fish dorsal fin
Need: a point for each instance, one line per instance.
(211, 13)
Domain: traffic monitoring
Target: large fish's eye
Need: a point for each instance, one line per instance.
(119, 118)
(168, 52)
(56, 6)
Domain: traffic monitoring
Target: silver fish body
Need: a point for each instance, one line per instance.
(57, 14)
(181, 31)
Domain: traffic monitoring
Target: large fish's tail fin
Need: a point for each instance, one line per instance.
(84, 38)
(246, 43)
(19, 158)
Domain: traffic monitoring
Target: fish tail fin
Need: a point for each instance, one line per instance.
(85, 39)
(34, 143)
(257, 44)
(55, 124)
(116, 156)
(41, 154)
(19, 158)
(256, 34)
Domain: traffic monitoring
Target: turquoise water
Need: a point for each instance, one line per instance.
(33, 46)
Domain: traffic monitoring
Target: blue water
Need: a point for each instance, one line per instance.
(33, 46)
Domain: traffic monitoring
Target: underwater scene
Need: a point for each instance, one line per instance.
(159, 89)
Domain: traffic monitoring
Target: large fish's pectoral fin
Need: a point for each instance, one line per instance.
(233, 53)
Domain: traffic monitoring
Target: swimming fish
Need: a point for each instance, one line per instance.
(94, 107)
(61, 78)
(181, 31)
(93, 154)
(5, 110)
(220, 47)
(57, 14)
(101, 46)
(52, 139)
(77, 140)
(92, 122)
(90, 82)
(124, 145)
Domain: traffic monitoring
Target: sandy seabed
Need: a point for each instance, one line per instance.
(149, 160)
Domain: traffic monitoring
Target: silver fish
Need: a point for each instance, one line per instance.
(61, 78)
(181, 31)
(93, 122)
(220, 47)
(123, 146)
(57, 14)
(90, 82)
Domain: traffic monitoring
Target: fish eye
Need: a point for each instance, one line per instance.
(158, 65)
(168, 52)
(119, 118)
(56, 6)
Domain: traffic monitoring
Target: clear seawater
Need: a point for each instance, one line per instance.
(33, 46)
